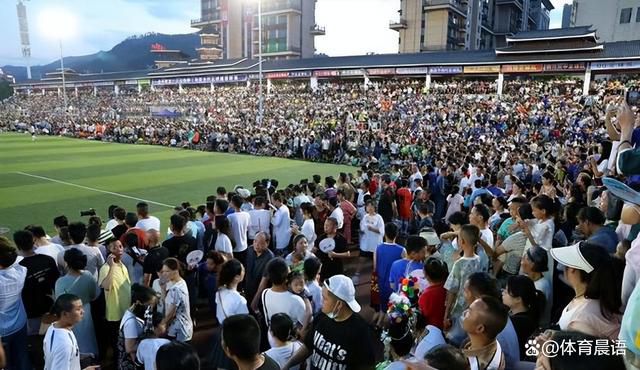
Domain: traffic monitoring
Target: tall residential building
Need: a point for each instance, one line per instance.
(229, 29)
(426, 25)
(566, 15)
(615, 20)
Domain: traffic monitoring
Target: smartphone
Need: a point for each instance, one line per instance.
(632, 96)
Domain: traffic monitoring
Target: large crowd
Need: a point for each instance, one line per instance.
(493, 239)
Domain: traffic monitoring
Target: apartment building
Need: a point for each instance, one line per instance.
(229, 29)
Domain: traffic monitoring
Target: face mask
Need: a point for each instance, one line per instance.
(332, 315)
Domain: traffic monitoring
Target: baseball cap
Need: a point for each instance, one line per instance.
(342, 287)
(430, 236)
(571, 256)
(244, 193)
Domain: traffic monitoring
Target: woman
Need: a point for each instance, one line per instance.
(517, 190)
(348, 212)
(283, 343)
(371, 234)
(82, 284)
(533, 264)
(593, 275)
(224, 244)
(132, 325)
(308, 228)
(500, 212)
(177, 318)
(228, 303)
(599, 164)
(525, 307)
(300, 248)
(548, 185)
(455, 201)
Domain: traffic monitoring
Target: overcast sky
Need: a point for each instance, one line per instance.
(353, 26)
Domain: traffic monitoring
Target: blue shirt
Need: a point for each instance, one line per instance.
(401, 269)
(386, 255)
(478, 192)
(508, 340)
(605, 237)
(13, 317)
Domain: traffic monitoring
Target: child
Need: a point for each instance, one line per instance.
(297, 262)
(282, 339)
(296, 286)
(412, 266)
(469, 263)
(432, 300)
(313, 290)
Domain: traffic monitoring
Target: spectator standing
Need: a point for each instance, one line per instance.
(239, 221)
(145, 220)
(13, 317)
(61, 351)
(281, 225)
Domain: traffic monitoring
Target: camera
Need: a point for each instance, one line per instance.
(89, 212)
(632, 97)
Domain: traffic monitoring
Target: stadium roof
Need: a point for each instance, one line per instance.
(556, 33)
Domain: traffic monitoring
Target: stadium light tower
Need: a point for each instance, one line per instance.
(23, 25)
(58, 24)
(260, 76)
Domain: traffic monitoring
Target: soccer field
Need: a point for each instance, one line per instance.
(55, 176)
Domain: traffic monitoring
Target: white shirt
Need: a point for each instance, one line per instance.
(55, 251)
(259, 221)
(223, 244)
(339, 216)
(228, 303)
(147, 350)
(148, 223)
(281, 227)
(61, 350)
(111, 224)
(282, 354)
(284, 302)
(370, 240)
(239, 225)
(315, 291)
(94, 257)
(309, 231)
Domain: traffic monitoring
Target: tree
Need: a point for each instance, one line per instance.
(5, 89)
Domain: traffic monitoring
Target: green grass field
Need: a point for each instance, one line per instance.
(74, 175)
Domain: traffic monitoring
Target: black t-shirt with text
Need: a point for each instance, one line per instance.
(153, 261)
(42, 273)
(340, 345)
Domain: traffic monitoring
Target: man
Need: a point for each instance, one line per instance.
(180, 244)
(60, 345)
(281, 225)
(259, 219)
(483, 320)
(43, 246)
(241, 342)
(591, 224)
(258, 258)
(479, 217)
(114, 279)
(415, 175)
(42, 273)
(13, 318)
(77, 233)
(59, 222)
(339, 338)
(404, 199)
(440, 195)
(494, 189)
(387, 204)
(239, 221)
(146, 221)
(335, 211)
(153, 260)
(130, 221)
(331, 249)
(119, 215)
(480, 190)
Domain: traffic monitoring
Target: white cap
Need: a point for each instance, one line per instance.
(342, 287)
(571, 256)
(243, 193)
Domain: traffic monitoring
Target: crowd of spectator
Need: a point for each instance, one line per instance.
(485, 219)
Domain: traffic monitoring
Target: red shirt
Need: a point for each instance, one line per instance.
(142, 237)
(404, 203)
(373, 187)
(431, 304)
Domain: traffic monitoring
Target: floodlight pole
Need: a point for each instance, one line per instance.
(261, 96)
(64, 85)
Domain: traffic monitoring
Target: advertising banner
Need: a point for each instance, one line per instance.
(199, 80)
(326, 73)
(412, 71)
(615, 65)
(164, 111)
(521, 68)
(445, 70)
(565, 67)
(481, 69)
(351, 72)
(381, 71)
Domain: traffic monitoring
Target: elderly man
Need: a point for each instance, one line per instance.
(258, 258)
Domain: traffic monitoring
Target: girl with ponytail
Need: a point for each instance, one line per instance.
(526, 305)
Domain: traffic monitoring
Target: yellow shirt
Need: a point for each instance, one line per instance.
(118, 297)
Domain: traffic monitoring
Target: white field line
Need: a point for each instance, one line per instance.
(94, 189)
